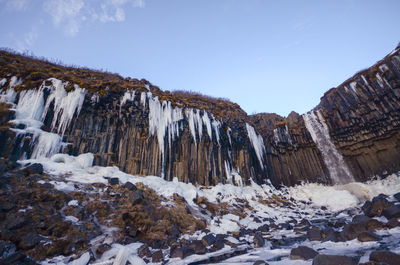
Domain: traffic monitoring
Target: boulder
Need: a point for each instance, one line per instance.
(376, 207)
(260, 262)
(130, 186)
(136, 197)
(392, 223)
(392, 211)
(351, 231)
(113, 181)
(144, 251)
(157, 256)
(314, 234)
(368, 236)
(258, 240)
(321, 259)
(385, 256)
(7, 248)
(209, 239)
(303, 253)
(397, 196)
(198, 247)
(29, 240)
(35, 168)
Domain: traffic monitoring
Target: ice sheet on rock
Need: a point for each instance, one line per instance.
(217, 126)
(207, 123)
(318, 129)
(46, 144)
(257, 142)
(8, 95)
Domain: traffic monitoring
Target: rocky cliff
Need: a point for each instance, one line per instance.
(352, 134)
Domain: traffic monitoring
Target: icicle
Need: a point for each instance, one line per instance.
(199, 123)
(228, 132)
(65, 104)
(192, 124)
(216, 125)
(207, 123)
(122, 256)
(30, 104)
(128, 95)
(3, 82)
(257, 142)
(338, 170)
(95, 98)
(8, 95)
(143, 97)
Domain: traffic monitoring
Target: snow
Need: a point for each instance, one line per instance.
(257, 142)
(83, 260)
(318, 129)
(72, 219)
(73, 203)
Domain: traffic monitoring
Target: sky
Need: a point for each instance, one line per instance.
(267, 56)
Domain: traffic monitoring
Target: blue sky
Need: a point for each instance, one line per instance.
(267, 56)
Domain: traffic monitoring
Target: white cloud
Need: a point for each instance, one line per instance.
(70, 14)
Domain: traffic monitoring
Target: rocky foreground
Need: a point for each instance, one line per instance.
(53, 218)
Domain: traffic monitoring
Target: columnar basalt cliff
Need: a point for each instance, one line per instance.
(134, 125)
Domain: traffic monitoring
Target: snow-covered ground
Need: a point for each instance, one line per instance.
(303, 202)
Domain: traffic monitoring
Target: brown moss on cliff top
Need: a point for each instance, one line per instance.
(35, 70)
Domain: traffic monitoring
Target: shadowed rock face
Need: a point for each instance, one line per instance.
(361, 116)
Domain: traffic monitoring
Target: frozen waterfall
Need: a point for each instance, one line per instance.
(338, 170)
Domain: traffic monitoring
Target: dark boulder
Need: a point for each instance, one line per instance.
(144, 251)
(303, 253)
(392, 223)
(157, 256)
(393, 211)
(198, 247)
(209, 239)
(376, 207)
(385, 256)
(397, 196)
(35, 168)
(29, 240)
(260, 262)
(113, 181)
(314, 234)
(351, 231)
(368, 236)
(136, 197)
(102, 248)
(130, 186)
(321, 259)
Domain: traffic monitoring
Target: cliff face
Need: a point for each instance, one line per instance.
(352, 134)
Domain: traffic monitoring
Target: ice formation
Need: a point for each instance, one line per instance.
(257, 142)
(31, 110)
(129, 95)
(318, 129)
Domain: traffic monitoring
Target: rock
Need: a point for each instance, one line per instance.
(385, 256)
(303, 253)
(6, 206)
(321, 259)
(7, 248)
(314, 234)
(176, 252)
(15, 222)
(198, 247)
(209, 239)
(144, 251)
(260, 262)
(29, 240)
(19, 258)
(113, 181)
(392, 223)
(304, 222)
(368, 236)
(392, 211)
(376, 207)
(264, 228)
(136, 197)
(351, 231)
(102, 248)
(258, 240)
(35, 168)
(219, 244)
(360, 219)
(397, 196)
(130, 186)
(157, 256)
(374, 224)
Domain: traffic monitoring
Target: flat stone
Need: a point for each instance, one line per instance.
(385, 256)
(303, 253)
(321, 259)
